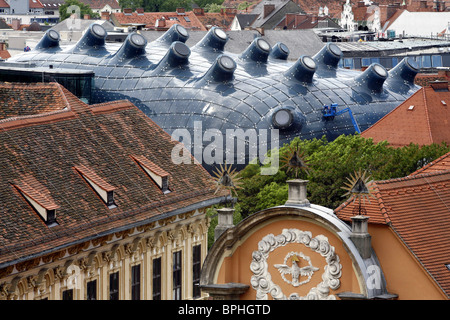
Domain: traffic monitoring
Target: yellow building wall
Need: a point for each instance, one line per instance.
(236, 267)
(404, 274)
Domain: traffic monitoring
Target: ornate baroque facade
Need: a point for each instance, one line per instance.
(68, 271)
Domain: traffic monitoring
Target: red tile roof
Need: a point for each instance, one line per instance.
(37, 99)
(440, 164)
(35, 4)
(417, 208)
(4, 4)
(40, 150)
(422, 119)
(100, 4)
(149, 19)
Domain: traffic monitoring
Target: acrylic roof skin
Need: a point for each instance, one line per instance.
(45, 155)
(176, 85)
(422, 119)
(417, 209)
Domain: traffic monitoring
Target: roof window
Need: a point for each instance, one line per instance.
(411, 108)
(158, 175)
(42, 204)
(104, 190)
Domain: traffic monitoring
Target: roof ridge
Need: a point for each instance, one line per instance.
(413, 177)
(430, 164)
(424, 89)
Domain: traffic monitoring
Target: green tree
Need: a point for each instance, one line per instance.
(75, 7)
(330, 164)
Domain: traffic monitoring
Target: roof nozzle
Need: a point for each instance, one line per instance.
(177, 56)
(49, 40)
(279, 51)
(215, 39)
(175, 33)
(133, 46)
(328, 57)
(303, 69)
(406, 70)
(257, 51)
(222, 70)
(373, 78)
(94, 37)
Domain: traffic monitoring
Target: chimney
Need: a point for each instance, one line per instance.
(199, 11)
(290, 17)
(225, 221)
(230, 11)
(128, 11)
(268, 8)
(15, 24)
(360, 236)
(87, 17)
(439, 85)
(140, 11)
(181, 10)
(105, 15)
(160, 23)
(297, 193)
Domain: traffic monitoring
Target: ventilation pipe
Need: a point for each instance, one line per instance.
(215, 39)
(133, 46)
(328, 57)
(175, 33)
(222, 70)
(372, 78)
(303, 70)
(49, 40)
(257, 51)
(177, 56)
(279, 51)
(94, 37)
(401, 77)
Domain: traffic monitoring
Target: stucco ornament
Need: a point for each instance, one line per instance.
(262, 282)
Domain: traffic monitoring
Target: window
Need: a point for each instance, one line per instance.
(196, 268)
(436, 61)
(394, 61)
(136, 282)
(100, 186)
(176, 270)
(374, 60)
(348, 63)
(114, 286)
(426, 61)
(67, 294)
(365, 62)
(157, 174)
(42, 205)
(91, 290)
(157, 279)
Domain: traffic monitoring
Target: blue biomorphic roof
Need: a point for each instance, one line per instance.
(180, 87)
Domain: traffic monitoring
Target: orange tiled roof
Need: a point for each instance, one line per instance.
(417, 208)
(440, 164)
(37, 98)
(42, 149)
(149, 19)
(422, 119)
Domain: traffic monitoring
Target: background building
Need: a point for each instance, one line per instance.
(92, 208)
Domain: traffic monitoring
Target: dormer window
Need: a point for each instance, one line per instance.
(43, 205)
(103, 189)
(158, 175)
